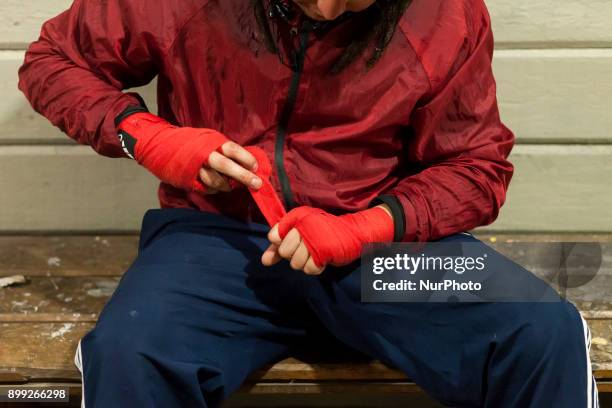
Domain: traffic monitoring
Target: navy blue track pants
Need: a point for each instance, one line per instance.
(196, 313)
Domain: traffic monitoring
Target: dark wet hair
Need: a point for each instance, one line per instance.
(383, 17)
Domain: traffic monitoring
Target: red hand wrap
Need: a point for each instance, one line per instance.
(174, 154)
(337, 240)
(266, 198)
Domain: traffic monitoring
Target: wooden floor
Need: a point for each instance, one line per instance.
(69, 279)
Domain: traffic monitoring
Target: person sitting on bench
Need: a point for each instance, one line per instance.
(373, 121)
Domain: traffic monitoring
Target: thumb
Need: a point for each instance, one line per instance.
(270, 256)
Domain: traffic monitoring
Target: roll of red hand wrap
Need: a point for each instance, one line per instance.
(266, 198)
(174, 154)
(337, 240)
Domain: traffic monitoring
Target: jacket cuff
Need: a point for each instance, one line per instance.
(399, 219)
(128, 142)
(130, 110)
(412, 229)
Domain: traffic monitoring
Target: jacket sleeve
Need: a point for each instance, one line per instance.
(75, 72)
(459, 148)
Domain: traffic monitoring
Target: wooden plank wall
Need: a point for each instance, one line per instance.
(553, 64)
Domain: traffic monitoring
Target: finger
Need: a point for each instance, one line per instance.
(240, 155)
(273, 235)
(311, 268)
(270, 256)
(300, 257)
(230, 168)
(290, 244)
(212, 179)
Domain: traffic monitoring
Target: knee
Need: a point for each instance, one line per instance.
(550, 330)
(136, 363)
(115, 344)
(126, 335)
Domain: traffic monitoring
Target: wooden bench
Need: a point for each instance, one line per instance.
(69, 278)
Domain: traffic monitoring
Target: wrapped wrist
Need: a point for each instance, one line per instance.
(399, 217)
(128, 142)
(174, 154)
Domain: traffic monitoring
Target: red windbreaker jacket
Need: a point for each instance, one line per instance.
(419, 131)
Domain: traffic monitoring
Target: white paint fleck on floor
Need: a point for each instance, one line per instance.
(66, 328)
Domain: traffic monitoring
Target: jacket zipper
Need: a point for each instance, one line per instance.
(286, 117)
